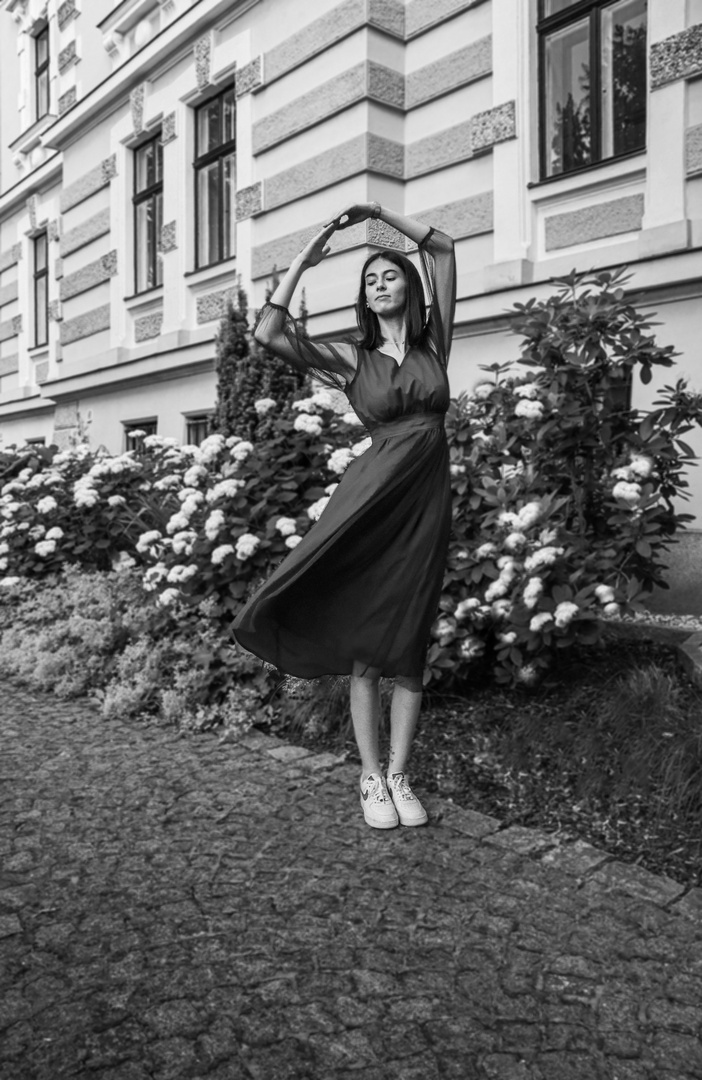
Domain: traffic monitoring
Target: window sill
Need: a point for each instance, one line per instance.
(31, 138)
(147, 294)
(588, 170)
(202, 272)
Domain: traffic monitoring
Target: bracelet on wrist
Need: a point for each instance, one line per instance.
(377, 210)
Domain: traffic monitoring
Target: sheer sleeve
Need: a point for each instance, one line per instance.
(331, 363)
(439, 270)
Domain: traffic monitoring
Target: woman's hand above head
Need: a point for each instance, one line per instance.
(355, 214)
(317, 248)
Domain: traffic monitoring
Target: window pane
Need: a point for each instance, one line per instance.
(42, 46)
(196, 429)
(229, 116)
(228, 216)
(41, 322)
(40, 253)
(208, 127)
(567, 131)
(145, 166)
(42, 94)
(208, 214)
(623, 77)
(158, 225)
(144, 245)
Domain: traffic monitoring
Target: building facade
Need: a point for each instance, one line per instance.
(156, 151)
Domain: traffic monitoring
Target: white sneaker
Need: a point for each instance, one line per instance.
(378, 809)
(409, 809)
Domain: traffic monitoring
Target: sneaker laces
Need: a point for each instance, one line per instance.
(377, 790)
(400, 786)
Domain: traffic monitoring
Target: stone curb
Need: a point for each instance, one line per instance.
(597, 871)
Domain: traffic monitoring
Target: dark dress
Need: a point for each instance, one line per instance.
(364, 583)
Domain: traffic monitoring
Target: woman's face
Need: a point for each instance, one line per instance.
(386, 288)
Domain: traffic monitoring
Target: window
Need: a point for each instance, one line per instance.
(136, 431)
(38, 440)
(215, 161)
(592, 81)
(41, 289)
(148, 214)
(197, 428)
(41, 72)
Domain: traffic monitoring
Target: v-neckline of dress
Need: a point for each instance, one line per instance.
(391, 357)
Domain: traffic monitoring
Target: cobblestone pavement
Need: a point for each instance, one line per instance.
(181, 907)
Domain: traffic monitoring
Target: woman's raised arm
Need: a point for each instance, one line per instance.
(276, 330)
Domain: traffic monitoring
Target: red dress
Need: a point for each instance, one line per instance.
(364, 583)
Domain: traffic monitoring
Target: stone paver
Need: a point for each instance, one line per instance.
(179, 907)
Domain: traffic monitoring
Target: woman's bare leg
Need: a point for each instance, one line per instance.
(404, 714)
(365, 714)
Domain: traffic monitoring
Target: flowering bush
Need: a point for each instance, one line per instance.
(564, 503)
(563, 494)
(204, 523)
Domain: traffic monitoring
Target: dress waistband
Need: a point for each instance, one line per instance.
(408, 422)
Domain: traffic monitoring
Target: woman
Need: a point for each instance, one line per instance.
(359, 593)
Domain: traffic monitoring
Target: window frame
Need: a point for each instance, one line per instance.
(139, 197)
(545, 26)
(197, 418)
(37, 276)
(138, 425)
(41, 68)
(204, 160)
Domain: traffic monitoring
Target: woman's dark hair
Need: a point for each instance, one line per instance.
(416, 308)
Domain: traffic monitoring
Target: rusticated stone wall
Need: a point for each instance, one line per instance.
(213, 305)
(693, 150)
(148, 326)
(9, 364)
(466, 65)
(339, 162)
(89, 183)
(594, 222)
(421, 14)
(10, 257)
(677, 57)
(89, 276)
(364, 80)
(83, 326)
(329, 28)
(90, 229)
(8, 293)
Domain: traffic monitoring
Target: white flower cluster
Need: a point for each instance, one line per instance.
(564, 613)
(340, 459)
(221, 553)
(178, 575)
(46, 505)
(360, 447)
(529, 410)
(147, 540)
(286, 526)
(45, 547)
(630, 493)
(292, 541)
(465, 607)
(84, 494)
(264, 405)
(545, 556)
(538, 622)
(241, 450)
(483, 391)
(310, 424)
(314, 512)
(246, 545)
(532, 591)
(498, 588)
(213, 525)
(526, 390)
(225, 489)
(351, 419)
